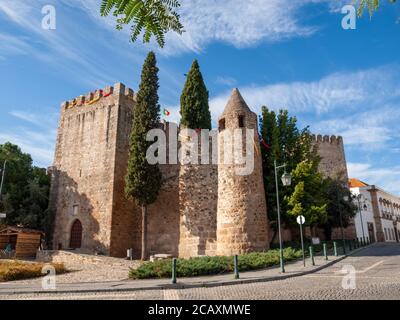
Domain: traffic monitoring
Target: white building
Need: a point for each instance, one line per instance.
(378, 217)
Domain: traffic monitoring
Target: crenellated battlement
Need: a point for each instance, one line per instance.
(327, 139)
(118, 90)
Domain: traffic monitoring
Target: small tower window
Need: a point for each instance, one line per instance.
(221, 125)
(75, 210)
(241, 121)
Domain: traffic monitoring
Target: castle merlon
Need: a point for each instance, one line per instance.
(119, 89)
(327, 139)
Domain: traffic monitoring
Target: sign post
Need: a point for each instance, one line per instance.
(300, 221)
(3, 215)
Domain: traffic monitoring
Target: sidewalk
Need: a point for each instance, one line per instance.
(293, 269)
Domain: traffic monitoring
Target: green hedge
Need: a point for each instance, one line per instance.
(212, 265)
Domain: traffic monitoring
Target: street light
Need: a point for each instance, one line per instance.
(360, 197)
(2, 177)
(286, 181)
(345, 198)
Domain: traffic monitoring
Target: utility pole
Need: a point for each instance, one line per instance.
(2, 177)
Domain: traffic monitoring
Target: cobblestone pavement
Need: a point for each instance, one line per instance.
(377, 277)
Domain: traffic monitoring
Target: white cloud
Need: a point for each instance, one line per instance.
(226, 81)
(239, 23)
(386, 178)
(39, 145)
(370, 130)
(337, 91)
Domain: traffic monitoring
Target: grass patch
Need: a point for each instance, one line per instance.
(212, 265)
(17, 270)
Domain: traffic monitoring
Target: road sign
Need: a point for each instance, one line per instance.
(301, 220)
(3, 215)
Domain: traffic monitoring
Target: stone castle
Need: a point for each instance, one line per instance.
(201, 210)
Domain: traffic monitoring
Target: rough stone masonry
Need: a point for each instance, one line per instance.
(201, 209)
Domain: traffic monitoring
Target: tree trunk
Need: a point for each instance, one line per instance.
(144, 233)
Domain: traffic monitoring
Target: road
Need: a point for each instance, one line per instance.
(376, 270)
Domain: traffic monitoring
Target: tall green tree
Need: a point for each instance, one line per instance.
(308, 198)
(195, 110)
(25, 193)
(150, 17)
(340, 211)
(284, 142)
(143, 181)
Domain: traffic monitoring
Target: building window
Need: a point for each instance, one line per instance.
(221, 125)
(241, 121)
(75, 210)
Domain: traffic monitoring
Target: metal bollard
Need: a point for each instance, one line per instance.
(335, 249)
(236, 266)
(325, 251)
(174, 270)
(312, 255)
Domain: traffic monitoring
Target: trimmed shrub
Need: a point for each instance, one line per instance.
(212, 265)
(15, 270)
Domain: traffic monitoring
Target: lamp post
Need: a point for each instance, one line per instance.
(2, 177)
(359, 197)
(345, 198)
(286, 181)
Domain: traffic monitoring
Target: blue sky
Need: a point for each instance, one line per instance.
(290, 54)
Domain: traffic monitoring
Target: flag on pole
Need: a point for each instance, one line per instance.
(167, 113)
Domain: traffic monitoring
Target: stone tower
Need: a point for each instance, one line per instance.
(333, 159)
(242, 223)
(87, 189)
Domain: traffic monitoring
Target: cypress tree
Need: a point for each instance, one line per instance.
(195, 110)
(143, 181)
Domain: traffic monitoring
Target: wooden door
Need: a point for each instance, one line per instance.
(75, 241)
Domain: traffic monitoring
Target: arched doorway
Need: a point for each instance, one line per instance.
(75, 241)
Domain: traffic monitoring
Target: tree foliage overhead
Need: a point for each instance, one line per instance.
(370, 5)
(195, 110)
(143, 180)
(150, 17)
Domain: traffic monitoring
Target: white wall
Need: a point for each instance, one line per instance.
(367, 215)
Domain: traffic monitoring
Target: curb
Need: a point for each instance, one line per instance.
(180, 286)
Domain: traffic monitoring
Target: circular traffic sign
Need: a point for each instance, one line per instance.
(301, 219)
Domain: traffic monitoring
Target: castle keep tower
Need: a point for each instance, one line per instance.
(242, 223)
(87, 190)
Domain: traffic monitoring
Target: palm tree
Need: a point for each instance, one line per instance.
(152, 17)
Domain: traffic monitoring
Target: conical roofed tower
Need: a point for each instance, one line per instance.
(242, 224)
